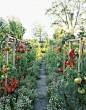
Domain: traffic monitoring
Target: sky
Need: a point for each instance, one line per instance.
(28, 12)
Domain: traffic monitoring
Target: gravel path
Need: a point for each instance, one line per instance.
(41, 90)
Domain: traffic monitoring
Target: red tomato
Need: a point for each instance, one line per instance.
(67, 63)
(28, 50)
(18, 58)
(8, 89)
(21, 46)
(12, 90)
(16, 82)
(74, 56)
(25, 43)
(3, 83)
(15, 85)
(7, 48)
(73, 67)
(12, 84)
(22, 50)
(71, 51)
(60, 70)
(72, 62)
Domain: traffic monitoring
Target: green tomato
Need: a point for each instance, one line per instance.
(81, 91)
(66, 43)
(85, 78)
(4, 76)
(78, 80)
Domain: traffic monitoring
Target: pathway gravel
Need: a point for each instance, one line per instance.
(41, 90)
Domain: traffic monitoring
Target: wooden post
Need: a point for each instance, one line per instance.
(26, 56)
(63, 60)
(6, 62)
(80, 56)
(19, 62)
(14, 52)
(69, 51)
(69, 58)
(6, 54)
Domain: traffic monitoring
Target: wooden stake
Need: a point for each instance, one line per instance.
(80, 56)
(69, 51)
(26, 56)
(19, 62)
(14, 52)
(69, 58)
(6, 62)
(63, 61)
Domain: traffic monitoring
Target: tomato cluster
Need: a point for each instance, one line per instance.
(71, 54)
(71, 64)
(13, 84)
(80, 89)
(5, 70)
(7, 48)
(20, 50)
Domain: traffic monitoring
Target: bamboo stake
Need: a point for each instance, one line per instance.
(69, 58)
(26, 56)
(63, 60)
(6, 63)
(80, 56)
(69, 51)
(19, 62)
(13, 52)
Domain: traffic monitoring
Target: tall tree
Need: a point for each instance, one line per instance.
(37, 31)
(3, 28)
(45, 38)
(16, 28)
(68, 14)
(13, 27)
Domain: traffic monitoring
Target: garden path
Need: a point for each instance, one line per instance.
(41, 90)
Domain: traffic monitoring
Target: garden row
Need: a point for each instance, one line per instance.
(65, 67)
(19, 69)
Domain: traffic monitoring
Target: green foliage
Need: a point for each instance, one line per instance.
(68, 14)
(13, 27)
(62, 90)
(16, 28)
